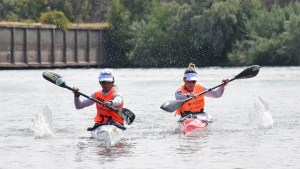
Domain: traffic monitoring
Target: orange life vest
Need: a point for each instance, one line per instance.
(193, 105)
(104, 114)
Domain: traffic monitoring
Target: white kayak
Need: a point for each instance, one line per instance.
(108, 134)
(193, 123)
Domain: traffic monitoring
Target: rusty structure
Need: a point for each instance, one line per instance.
(46, 46)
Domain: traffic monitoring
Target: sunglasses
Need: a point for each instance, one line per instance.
(190, 81)
(105, 82)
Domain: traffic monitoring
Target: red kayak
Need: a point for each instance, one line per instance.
(192, 124)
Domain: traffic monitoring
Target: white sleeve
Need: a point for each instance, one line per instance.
(82, 104)
(179, 95)
(118, 100)
(216, 93)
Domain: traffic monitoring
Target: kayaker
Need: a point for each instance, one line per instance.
(109, 95)
(191, 88)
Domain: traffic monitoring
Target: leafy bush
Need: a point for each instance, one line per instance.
(30, 9)
(151, 40)
(55, 17)
(115, 41)
(272, 39)
(291, 42)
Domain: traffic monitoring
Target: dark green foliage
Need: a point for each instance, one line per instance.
(30, 9)
(6, 9)
(77, 8)
(173, 33)
(290, 49)
(218, 27)
(176, 34)
(272, 39)
(117, 36)
(138, 9)
(152, 40)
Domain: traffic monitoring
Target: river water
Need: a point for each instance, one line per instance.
(256, 121)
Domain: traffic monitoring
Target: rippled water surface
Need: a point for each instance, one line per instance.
(256, 121)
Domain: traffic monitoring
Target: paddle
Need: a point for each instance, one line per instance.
(171, 106)
(56, 79)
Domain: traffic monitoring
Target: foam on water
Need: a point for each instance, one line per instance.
(43, 123)
(260, 117)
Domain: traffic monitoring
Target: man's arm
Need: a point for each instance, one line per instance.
(82, 104)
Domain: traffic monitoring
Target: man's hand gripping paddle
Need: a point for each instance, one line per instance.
(56, 79)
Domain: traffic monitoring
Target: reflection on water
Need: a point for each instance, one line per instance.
(97, 151)
(118, 150)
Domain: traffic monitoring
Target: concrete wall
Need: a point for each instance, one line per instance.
(47, 46)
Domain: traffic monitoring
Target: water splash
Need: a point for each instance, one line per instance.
(260, 117)
(43, 123)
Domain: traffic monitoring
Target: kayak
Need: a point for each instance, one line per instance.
(192, 123)
(108, 134)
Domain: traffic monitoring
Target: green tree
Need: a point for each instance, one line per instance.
(290, 49)
(219, 27)
(151, 41)
(7, 9)
(117, 36)
(138, 9)
(269, 39)
(182, 34)
(78, 9)
(59, 5)
(30, 9)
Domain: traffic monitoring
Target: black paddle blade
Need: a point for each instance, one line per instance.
(127, 115)
(173, 105)
(54, 78)
(249, 72)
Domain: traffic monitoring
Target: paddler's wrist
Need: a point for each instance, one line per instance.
(111, 103)
(191, 95)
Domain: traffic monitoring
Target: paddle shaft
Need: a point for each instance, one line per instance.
(210, 89)
(91, 98)
(56, 79)
(171, 106)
